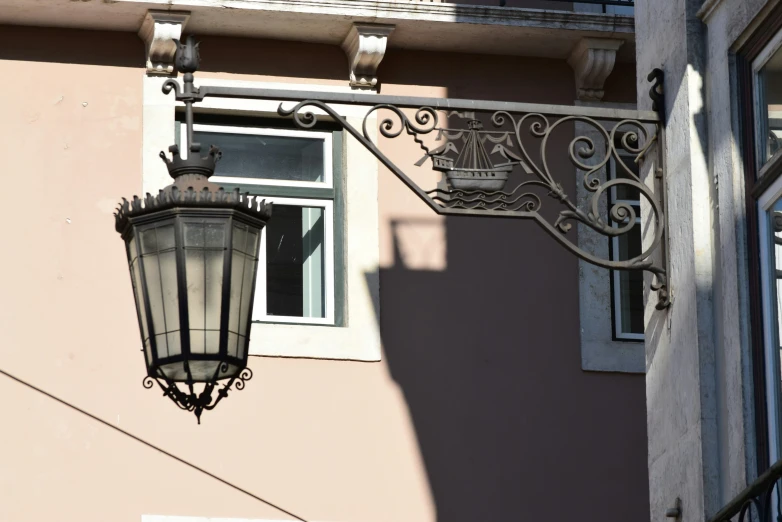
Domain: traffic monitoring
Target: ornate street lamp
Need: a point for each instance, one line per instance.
(193, 257)
(193, 249)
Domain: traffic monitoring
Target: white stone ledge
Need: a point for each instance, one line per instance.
(419, 25)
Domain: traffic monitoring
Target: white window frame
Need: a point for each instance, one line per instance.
(358, 339)
(765, 203)
(771, 316)
(618, 333)
(259, 299)
(259, 303)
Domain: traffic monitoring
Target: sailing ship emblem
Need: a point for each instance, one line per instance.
(472, 169)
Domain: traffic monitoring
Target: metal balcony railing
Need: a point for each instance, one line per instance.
(759, 502)
(626, 3)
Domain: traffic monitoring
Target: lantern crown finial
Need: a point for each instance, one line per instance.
(194, 163)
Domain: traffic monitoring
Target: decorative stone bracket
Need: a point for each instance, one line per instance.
(592, 60)
(365, 46)
(159, 30)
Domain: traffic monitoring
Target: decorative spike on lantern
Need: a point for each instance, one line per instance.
(193, 257)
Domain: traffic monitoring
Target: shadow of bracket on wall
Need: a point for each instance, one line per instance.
(475, 180)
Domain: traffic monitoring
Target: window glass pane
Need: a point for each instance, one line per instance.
(775, 228)
(771, 277)
(626, 192)
(620, 10)
(295, 272)
(288, 158)
(625, 166)
(770, 106)
(630, 308)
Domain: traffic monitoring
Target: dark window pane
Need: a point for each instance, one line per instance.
(631, 283)
(285, 158)
(621, 167)
(295, 262)
(770, 77)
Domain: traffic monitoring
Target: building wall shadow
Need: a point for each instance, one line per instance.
(487, 355)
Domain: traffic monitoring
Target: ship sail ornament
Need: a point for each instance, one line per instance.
(472, 169)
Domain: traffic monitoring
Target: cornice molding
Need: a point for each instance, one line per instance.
(420, 25)
(592, 61)
(158, 31)
(383, 10)
(365, 46)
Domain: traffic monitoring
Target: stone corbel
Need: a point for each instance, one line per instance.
(365, 46)
(592, 60)
(159, 30)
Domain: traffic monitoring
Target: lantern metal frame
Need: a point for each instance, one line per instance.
(192, 200)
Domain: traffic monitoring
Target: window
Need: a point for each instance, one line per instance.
(768, 107)
(767, 73)
(770, 232)
(628, 10)
(294, 169)
(611, 304)
(627, 300)
(597, 7)
(759, 67)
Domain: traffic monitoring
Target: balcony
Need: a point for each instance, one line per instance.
(621, 7)
(522, 28)
(624, 7)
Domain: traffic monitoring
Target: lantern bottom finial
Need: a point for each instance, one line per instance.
(197, 401)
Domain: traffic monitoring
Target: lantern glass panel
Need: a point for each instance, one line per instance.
(168, 277)
(158, 258)
(244, 258)
(204, 258)
(141, 310)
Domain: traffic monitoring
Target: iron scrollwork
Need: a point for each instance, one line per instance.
(196, 401)
(475, 184)
(474, 179)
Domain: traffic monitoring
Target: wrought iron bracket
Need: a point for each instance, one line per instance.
(474, 179)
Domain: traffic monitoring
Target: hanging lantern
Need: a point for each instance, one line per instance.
(193, 257)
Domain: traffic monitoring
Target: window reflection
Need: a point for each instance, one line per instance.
(770, 106)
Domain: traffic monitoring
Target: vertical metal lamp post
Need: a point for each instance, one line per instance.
(193, 257)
